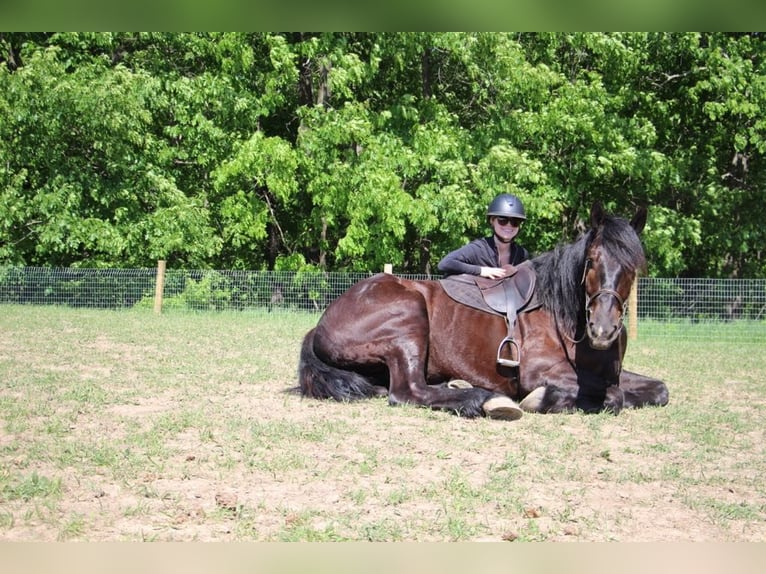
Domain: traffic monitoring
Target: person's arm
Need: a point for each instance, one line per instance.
(469, 259)
(453, 264)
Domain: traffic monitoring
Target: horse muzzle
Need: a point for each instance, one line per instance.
(601, 339)
(604, 320)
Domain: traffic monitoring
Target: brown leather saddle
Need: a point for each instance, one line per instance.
(507, 297)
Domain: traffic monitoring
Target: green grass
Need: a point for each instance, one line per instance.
(741, 331)
(126, 425)
(28, 487)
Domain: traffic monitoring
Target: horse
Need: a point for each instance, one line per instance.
(409, 341)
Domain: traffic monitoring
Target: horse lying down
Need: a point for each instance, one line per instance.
(412, 342)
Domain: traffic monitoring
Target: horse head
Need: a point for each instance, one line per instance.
(614, 256)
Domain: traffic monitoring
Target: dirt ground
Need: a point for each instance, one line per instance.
(121, 440)
(206, 491)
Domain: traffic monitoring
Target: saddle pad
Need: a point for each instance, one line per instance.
(494, 295)
(463, 289)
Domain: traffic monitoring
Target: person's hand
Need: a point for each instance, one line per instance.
(493, 272)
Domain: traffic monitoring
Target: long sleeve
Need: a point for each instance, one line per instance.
(469, 259)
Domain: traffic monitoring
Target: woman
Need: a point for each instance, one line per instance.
(487, 255)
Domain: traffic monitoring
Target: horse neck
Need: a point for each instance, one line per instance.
(559, 280)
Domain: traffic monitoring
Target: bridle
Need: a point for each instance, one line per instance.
(616, 295)
(603, 291)
(590, 298)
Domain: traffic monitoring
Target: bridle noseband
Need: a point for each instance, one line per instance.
(616, 295)
(604, 291)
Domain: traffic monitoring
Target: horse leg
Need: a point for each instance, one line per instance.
(555, 398)
(635, 391)
(563, 391)
(407, 364)
(641, 391)
(409, 387)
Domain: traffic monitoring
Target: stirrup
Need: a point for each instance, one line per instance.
(508, 362)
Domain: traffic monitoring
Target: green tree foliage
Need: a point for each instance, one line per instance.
(346, 151)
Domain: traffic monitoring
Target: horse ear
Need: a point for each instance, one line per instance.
(639, 220)
(596, 214)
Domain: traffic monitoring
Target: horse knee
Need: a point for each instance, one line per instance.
(396, 398)
(610, 400)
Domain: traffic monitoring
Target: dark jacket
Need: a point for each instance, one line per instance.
(477, 254)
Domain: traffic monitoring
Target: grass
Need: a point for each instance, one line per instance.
(751, 332)
(32, 486)
(131, 426)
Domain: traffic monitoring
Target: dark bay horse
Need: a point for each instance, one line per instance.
(408, 340)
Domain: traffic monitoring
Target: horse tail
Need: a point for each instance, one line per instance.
(319, 380)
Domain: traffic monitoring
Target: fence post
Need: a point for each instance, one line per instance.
(633, 311)
(388, 268)
(159, 287)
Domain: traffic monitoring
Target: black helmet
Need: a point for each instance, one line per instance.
(506, 205)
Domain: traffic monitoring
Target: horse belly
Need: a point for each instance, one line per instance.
(463, 344)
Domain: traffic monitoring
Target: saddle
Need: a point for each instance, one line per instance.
(506, 297)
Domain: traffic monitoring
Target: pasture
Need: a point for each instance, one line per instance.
(129, 426)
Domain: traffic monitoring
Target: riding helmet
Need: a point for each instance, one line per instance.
(506, 205)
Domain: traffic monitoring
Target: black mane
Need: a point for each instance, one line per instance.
(560, 271)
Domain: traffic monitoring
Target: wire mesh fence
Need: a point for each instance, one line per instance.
(705, 309)
(194, 290)
(95, 288)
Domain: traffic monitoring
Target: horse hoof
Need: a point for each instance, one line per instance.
(533, 401)
(502, 408)
(459, 384)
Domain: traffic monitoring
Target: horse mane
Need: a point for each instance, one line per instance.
(560, 271)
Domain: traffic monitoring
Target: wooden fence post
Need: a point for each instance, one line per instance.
(633, 311)
(159, 287)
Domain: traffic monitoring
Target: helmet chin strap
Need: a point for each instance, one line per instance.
(502, 239)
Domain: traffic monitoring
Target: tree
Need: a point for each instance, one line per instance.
(346, 151)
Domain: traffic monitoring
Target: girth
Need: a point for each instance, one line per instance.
(507, 297)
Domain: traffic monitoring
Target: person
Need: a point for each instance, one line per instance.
(486, 256)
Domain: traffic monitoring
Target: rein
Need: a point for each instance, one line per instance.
(587, 303)
(567, 337)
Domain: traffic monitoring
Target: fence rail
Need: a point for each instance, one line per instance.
(725, 309)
